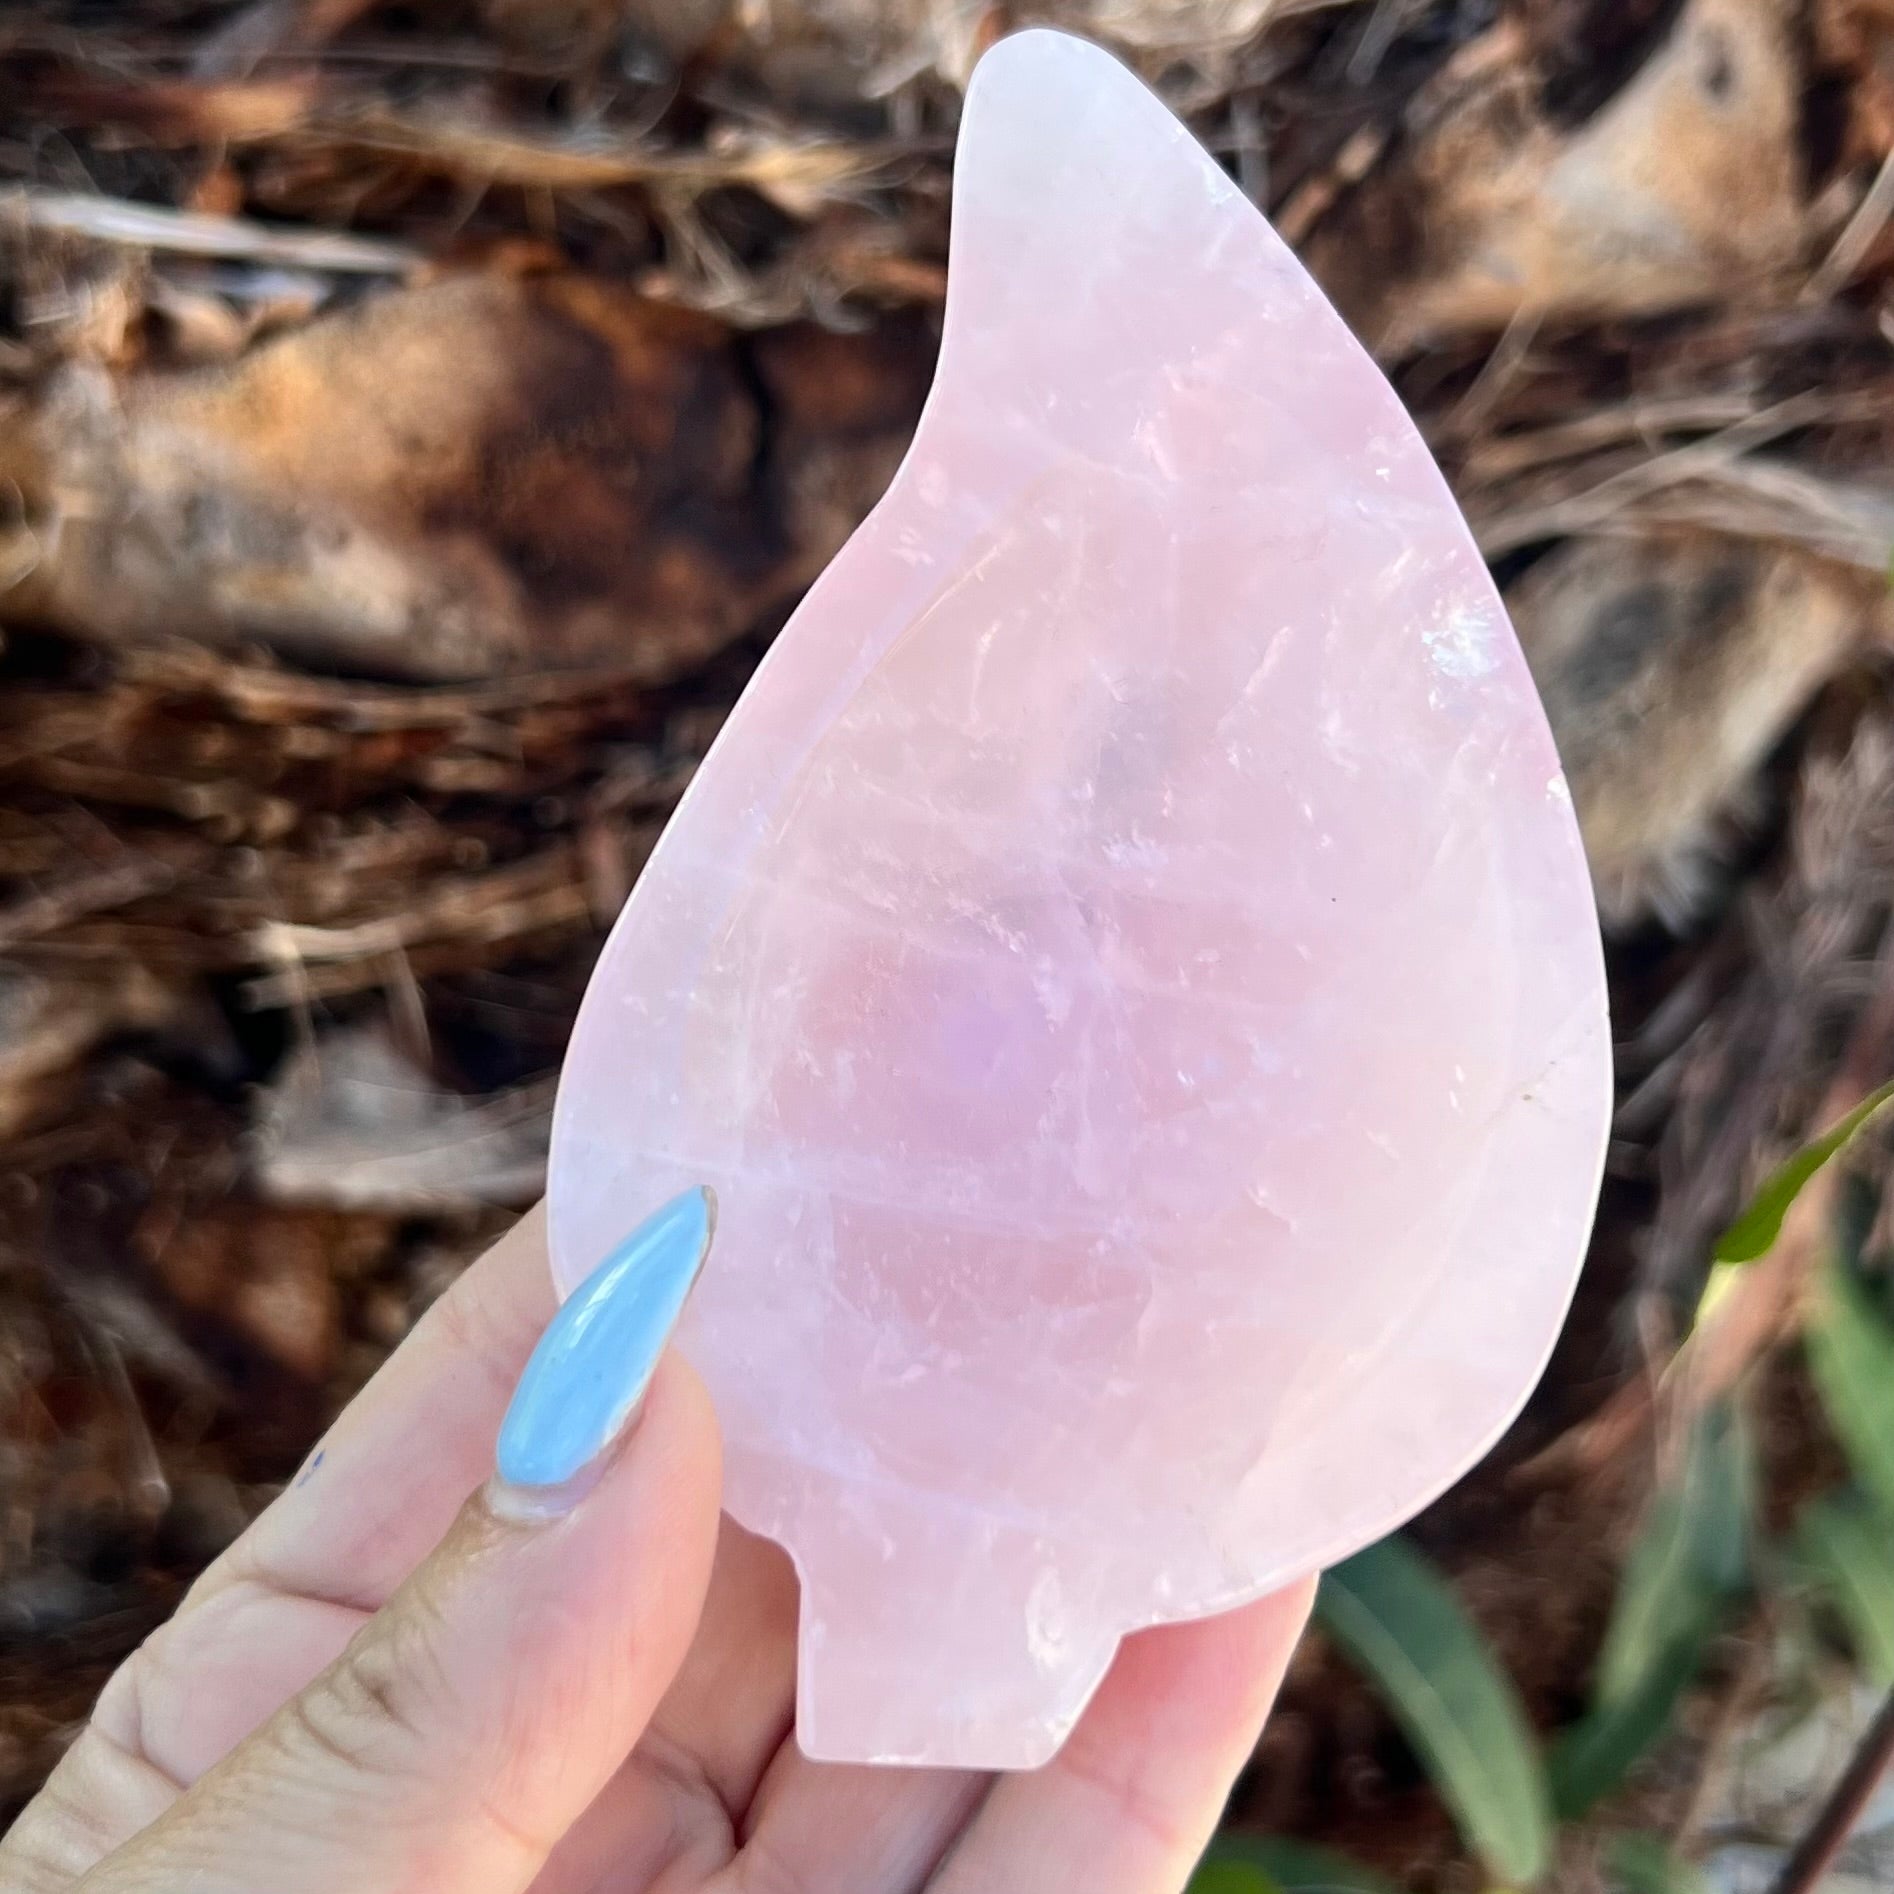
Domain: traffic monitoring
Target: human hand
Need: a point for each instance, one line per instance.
(574, 1682)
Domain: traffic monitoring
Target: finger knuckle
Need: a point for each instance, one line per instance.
(373, 1708)
(122, 1716)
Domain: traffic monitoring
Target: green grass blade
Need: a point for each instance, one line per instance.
(1846, 1547)
(1754, 1232)
(1643, 1864)
(1397, 1618)
(1224, 1876)
(1851, 1357)
(1593, 1756)
(1692, 1550)
(1296, 1867)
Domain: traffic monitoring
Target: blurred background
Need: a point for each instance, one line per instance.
(415, 421)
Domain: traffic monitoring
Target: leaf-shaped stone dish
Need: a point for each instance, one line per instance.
(1127, 969)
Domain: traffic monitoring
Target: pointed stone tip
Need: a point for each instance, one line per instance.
(1040, 55)
(1037, 43)
(1060, 138)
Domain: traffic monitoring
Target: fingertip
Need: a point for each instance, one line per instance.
(587, 1380)
(673, 1455)
(1205, 1683)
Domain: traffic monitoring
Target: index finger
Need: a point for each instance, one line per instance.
(372, 1501)
(385, 1482)
(281, 1604)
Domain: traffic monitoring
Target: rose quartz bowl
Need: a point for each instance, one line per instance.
(1127, 970)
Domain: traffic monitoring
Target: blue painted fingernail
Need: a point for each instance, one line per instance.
(586, 1378)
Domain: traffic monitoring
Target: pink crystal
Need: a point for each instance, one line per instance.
(1127, 969)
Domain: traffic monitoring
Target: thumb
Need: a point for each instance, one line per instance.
(473, 1719)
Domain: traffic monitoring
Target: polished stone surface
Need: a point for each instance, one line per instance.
(1127, 970)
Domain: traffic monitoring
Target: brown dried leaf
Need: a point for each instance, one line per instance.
(1684, 186)
(1670, 667)
(837, 51)
(845, 408)
(480, 476)
(1856, 38)
(51, 1018)
(272, 1274)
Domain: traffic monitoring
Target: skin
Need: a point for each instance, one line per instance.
(388, 1686)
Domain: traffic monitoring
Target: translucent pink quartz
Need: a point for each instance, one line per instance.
(1127, 970)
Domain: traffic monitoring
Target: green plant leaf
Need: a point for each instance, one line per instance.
(1754, 1232)
(1846, 1546)
(1643, 1864)
(1689, 1560)
(1595, 1754)
(1295, 1867)
(1851, 1357)
(1691, 1553)
(1394, 1614)
(1716, 1285)
(1225, 1876)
